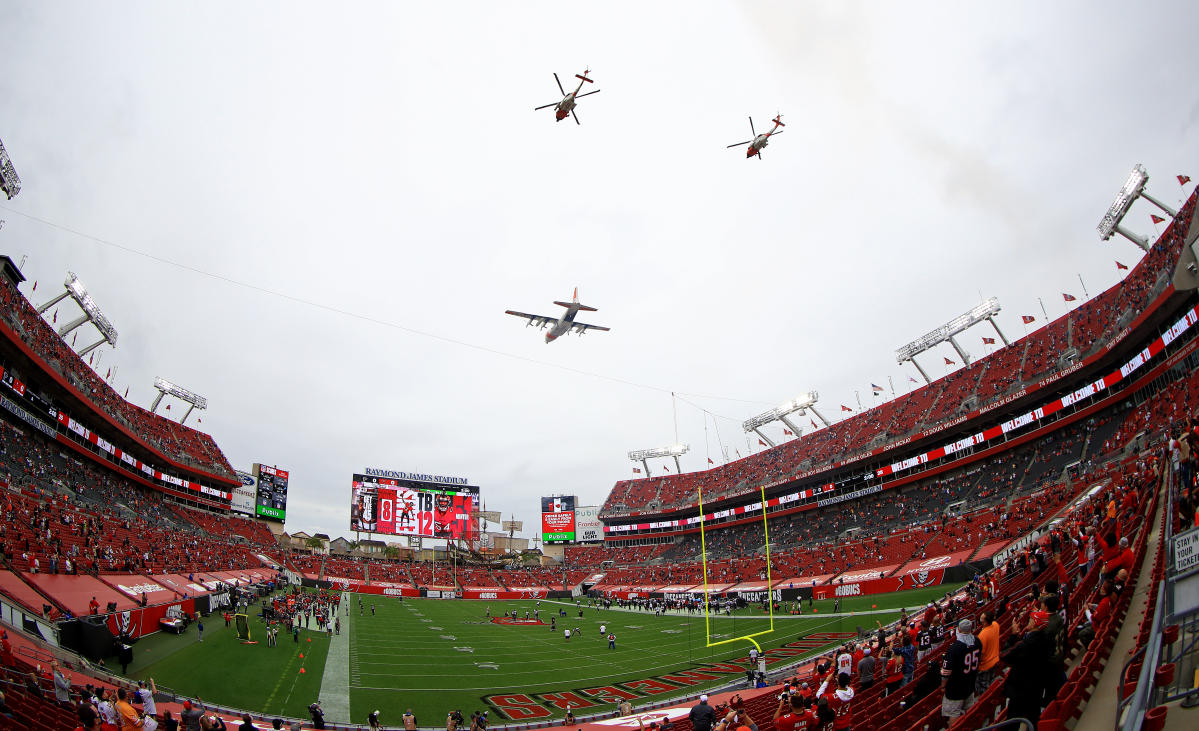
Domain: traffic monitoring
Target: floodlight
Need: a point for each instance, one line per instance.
(166, 388)
(673, 451)
(10, 182)
(1124, 200)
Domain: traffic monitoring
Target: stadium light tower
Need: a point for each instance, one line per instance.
(1133, 188)
(91, 313)
(10, 182)
(982, 312)
(166, 388)
(644, 455)
(799, 405)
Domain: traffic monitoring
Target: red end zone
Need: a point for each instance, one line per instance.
(509, 620)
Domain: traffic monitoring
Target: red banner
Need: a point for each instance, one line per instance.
(917, 580)
(531, 593)
(144, 620)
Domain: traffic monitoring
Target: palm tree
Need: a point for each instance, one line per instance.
(391, 552)
(352, 546)
(314, 543)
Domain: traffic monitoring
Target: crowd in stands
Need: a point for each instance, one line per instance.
(169, 438)
(1086, 329)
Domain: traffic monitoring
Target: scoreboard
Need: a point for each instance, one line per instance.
(412, 508)
(272, 492)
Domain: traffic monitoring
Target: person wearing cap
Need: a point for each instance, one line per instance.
(959, 671)
(866, 668)
(372, 721)
(145, 696)
(702, 715)
(189, 717)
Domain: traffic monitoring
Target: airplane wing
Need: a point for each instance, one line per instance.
(534, 320)
(582, 327)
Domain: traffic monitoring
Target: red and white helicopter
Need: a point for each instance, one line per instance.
(567, 105)
(560, 325)
(761, 140)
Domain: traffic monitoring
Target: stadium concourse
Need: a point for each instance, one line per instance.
(1046, 476)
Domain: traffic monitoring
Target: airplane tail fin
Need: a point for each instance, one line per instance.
(575, 303)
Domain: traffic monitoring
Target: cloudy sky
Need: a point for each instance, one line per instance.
(315, 214)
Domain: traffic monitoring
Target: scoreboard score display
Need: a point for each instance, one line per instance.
(412, 508)
(557, 519)
(272, 492)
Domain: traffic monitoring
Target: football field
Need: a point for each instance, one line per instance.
(434, 656)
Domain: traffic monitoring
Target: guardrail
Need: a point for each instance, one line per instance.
(1170, 656)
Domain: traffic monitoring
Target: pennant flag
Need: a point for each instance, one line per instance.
(988, 341)
(1027, 318)
(636, 470)
(1068, 297)
(168, 407)
(710, 461)
(913, 380)
(35, 281)
(1121, 266)
(949, 362)
(55, 318)
(201, 421)
(762, 443)
(92, 358)
(813, 423)
(74, 338)
(1156, 218)
(108, 374)
(846, 408)
(876, 388)
(788, 432)
(126, 392)
(666, 467)
(1182, 180)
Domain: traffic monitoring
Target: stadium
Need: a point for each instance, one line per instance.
(1008, 545)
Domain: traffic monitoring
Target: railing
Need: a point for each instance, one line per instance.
(1171, 654)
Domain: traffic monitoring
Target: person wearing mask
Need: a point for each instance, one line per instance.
(959, 671)
(988, 640)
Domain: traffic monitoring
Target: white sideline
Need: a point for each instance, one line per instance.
(335, 683)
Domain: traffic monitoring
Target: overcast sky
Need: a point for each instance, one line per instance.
(384, 159)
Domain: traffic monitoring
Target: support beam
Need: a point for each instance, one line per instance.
(157, 399)
(1159, 204)
(796, 430)
(763, 437)
(92, 347)
(66, 329)
(50, 303)
(961, 353)
(1137, 239)
(927, 380)
(998, 331)
(818, 415)
(187, 414)
(645, 466)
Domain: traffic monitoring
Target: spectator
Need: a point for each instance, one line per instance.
(839, 701)
(793, 715)
(960, 671)
(189, 717)
(866, 669)
(247, 723)
(702, 715)
(988, 640)
(130, 721)
(1024, 684)
(62, 686)
(908, 652)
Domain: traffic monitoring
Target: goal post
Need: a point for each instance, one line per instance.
(769, 581)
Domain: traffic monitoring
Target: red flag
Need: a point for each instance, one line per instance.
(949, 362)
(762, 443)
(636, 470)
(1027, 318)
(1182, 180)
(710, 461)
(666, 467)
(74, 338)
(35, 281)
(108, 374)
(788, 432)
(1068, 297)
(92, 358)
(988, 341)
(55, 318)
(813, 423)
(913, 380)
(1156, 218)
(1121, 266)
(846, 408)
(126, 392)
(199, 420)
(168, 407)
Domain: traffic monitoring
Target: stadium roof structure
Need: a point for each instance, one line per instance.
(91, 313)
(644, 455)
(983, 312)
(10, 182)
(166, 388)
(1133, 188)
(799, 405)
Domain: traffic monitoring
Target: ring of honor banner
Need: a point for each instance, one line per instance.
(557, 519)
(412, 508)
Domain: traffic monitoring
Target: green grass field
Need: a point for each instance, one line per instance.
(436, 655)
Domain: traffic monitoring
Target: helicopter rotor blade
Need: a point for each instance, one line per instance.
(545, 106)
(559, 84)
(572, 113)
(751, 126)
(580, 96)
(739, 144)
